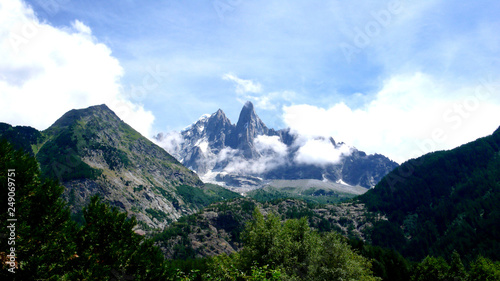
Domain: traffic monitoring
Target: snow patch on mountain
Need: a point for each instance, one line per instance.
(203, 145)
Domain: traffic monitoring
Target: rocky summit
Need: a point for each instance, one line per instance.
(249, 153)
(93, 152)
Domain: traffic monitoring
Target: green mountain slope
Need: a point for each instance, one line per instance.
(91, 151)
(442, 201)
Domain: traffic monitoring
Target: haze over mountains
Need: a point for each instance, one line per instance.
(249, 153)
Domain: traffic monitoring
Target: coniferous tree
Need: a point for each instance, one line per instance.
(108, 247)
(43, 229)
(457, 270)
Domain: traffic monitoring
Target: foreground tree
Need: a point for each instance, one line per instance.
(108, 248)
(50, 246)
(432, 268)
(43, 230)
(484, 269)
(291, 251)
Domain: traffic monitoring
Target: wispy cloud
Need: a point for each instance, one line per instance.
(243, 86)
(171, 141)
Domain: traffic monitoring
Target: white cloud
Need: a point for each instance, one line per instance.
(81, 27)
(272, 154)
(171, 142)
(270, 145)
(320, 151)
(272, 100)
(240, 165)
(411, 115)
(46, 71)
(243, 86)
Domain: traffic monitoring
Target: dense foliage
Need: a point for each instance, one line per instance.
(438, 269)
(290, 250)
(441, 202)
(22, 137)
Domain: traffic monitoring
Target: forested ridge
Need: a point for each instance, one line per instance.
(442, 202)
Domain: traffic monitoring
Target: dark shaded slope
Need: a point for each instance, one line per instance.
(22, 137)
(442, 201)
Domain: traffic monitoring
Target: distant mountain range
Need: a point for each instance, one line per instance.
(439, 203)
(91, 151)
(248, 153)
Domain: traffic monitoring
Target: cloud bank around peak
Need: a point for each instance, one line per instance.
(409, 116)
(321, 152)
(272, 152)
(46, 71)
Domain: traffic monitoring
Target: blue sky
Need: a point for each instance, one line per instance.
(398, 77)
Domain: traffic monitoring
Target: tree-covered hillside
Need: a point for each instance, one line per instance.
(442, 202)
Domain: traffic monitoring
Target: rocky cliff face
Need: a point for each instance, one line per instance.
(217, 230)
(91, 151)
(249, 126)
(238, 154)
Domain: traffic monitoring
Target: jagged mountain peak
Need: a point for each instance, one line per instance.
(248, 106)
(248, 116)
(219, 113)
(250, 149)
(249, 124)
(205, 119)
